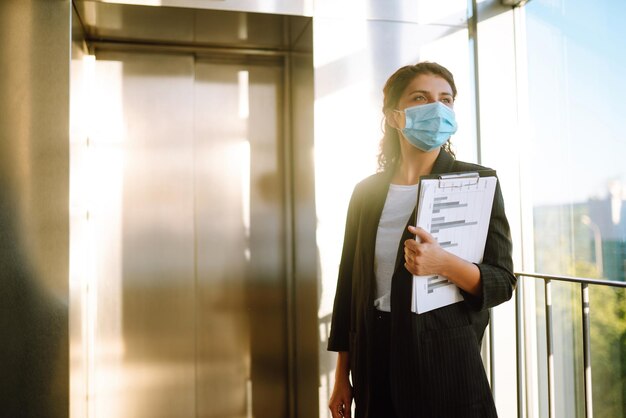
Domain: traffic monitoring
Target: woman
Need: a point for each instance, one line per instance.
(403, 364)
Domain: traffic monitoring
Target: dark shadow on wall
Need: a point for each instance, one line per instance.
(33, 332)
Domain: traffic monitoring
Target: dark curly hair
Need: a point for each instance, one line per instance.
(389, 154)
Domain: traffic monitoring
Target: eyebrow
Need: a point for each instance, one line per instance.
(427, 92)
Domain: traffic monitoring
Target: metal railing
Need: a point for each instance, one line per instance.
(585, 310)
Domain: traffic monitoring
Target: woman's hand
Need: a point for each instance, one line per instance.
(341, 399)
(340, 403)
(425, 256)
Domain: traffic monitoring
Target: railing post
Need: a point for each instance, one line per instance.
(521, 403)
(550, 347)
(586, 349)
(522, 372)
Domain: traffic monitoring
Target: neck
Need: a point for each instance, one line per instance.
(414, 164)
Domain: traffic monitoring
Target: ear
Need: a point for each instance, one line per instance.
(395, 119)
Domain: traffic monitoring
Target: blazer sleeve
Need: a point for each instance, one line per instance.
(496, 269)
(339, 339)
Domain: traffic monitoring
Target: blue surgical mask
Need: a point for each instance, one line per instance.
(428, 126)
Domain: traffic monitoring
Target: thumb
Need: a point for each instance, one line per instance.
(421, 234)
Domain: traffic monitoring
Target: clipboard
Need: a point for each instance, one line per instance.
(455, 208)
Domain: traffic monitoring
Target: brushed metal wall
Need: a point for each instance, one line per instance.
(34, 167)
(284, 7)
(194, 27)
(34, 81)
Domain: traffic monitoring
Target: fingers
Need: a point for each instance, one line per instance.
(410, 255)
(421, 234)
(339, 410)
(422, 256)
(346, 412)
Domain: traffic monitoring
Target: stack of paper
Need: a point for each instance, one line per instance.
(455, 210)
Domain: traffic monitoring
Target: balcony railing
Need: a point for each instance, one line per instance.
(585, 309)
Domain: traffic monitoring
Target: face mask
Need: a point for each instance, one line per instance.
(428, 126)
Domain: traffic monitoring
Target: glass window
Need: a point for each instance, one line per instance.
(576, 98)
(575, 65)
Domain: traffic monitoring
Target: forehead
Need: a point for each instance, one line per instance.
(430, 83)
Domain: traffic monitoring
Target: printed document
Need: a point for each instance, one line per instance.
(455, 210)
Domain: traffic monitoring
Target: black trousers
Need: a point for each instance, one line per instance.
(381, 405)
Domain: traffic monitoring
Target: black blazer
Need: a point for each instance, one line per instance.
(436, 368)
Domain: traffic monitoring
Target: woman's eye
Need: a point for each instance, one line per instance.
(419, 99)
(447, 101)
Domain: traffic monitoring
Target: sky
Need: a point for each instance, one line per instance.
(577, 94)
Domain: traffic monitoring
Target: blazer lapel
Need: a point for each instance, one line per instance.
(370, 218)
(374, 204)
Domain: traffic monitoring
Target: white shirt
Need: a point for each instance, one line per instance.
(399, 205)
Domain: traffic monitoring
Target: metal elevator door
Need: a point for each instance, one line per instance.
(241, 320)
(187, 300)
